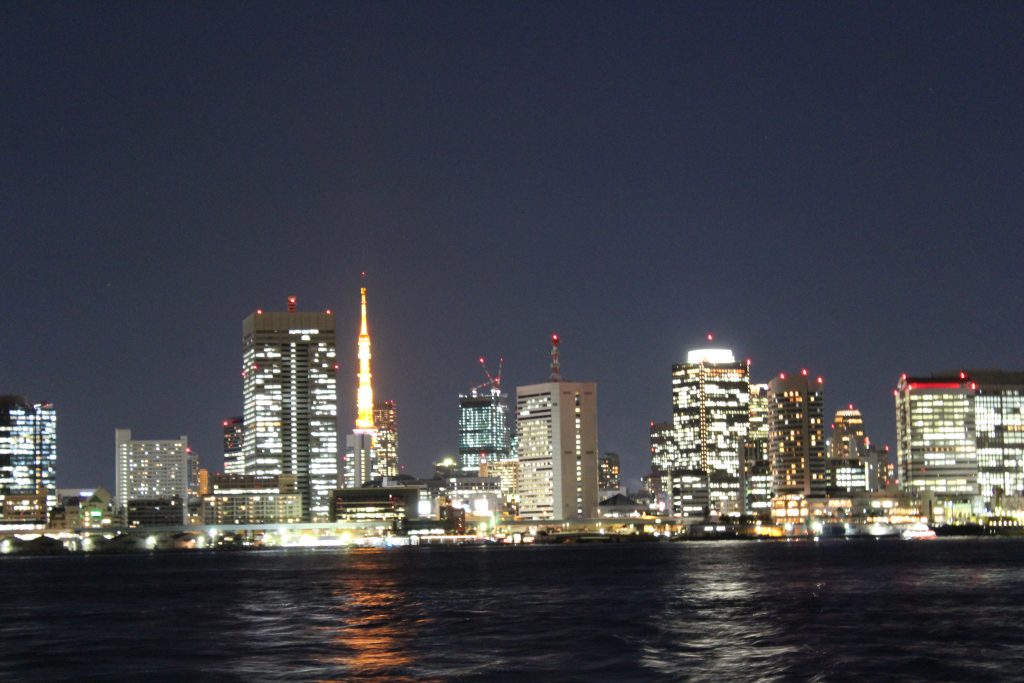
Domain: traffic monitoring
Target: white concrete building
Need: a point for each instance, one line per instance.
(557, 426)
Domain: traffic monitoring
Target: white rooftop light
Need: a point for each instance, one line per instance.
(710, 356)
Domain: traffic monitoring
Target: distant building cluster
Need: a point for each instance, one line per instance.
(735, 454)
(739, 451)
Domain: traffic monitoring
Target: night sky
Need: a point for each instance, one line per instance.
(836, 186)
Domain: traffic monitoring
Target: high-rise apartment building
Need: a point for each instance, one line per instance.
(710, 416)
(483, 429)
(796, 439)
(757, 469)
(385, 419)
(234, 456)
(557, 426)
(850, 466)
(28, 460)
(152, 472)
(291, 402)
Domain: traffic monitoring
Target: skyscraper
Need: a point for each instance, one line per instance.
(557, 429)
(757, 470)
(935, 435)
(291, 402)
(710, 415)
(234, 456)
(360, 460)
(849, 469)
(961, 434)
(152, 470)
(483, 429)
(28, 459)
(999, 433)
(608, 473)
(796, 439)
(385, 418)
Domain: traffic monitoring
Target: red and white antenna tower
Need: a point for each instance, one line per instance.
(556, 363)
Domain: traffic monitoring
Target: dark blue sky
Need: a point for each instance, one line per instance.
(836, 186)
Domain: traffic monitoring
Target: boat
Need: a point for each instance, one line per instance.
(918, 532)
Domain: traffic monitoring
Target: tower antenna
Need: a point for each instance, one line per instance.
(556, 364)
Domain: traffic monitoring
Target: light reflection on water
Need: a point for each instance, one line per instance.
(743, 611)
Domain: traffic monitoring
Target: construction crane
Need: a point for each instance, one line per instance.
(493, 382)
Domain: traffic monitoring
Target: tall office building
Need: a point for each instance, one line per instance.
(609, 474)
(935, 435)
(483, 429)
(757, 470)
(154, 471)
(557, 429)
(710, 416)
(234, 456)
(961, 434)
(796, 439)
(291, 402)
(999, 433)
(360, 458)
(28, 460)
(385, 419)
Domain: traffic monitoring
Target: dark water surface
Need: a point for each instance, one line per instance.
(861, 610)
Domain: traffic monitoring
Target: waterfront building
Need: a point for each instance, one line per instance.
(291, 402)
(960, 435)
(796, 440)
(663, 454)
(557, 427)
(935, 435)
(483, 429)
(609, 480)
(82, 509)
(999, 434)
(234, 456)
(28, 460)
(388, 507)
(710, 416)
(757, 469)
(385, 419)
(152, 478)
(242, 499)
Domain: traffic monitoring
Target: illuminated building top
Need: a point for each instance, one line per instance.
(364, 397)
(710, 356)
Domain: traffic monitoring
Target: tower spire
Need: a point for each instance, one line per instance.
(556, 364)
(364, 395)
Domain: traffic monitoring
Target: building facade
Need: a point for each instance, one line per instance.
(385, 419)
(757, 469)
(291, 402)
(960, 435)
(152, 477)
(710, 416)
(557, 428)
(234, 456)
(28, 460)
(483, 429)
(796, 438)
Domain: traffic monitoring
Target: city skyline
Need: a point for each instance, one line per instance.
(630, 190)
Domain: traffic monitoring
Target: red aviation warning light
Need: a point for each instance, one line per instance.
(804, 372)
(711, 337)
(292, 303)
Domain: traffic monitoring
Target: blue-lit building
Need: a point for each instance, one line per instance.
(483, 429)
(28, 460)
